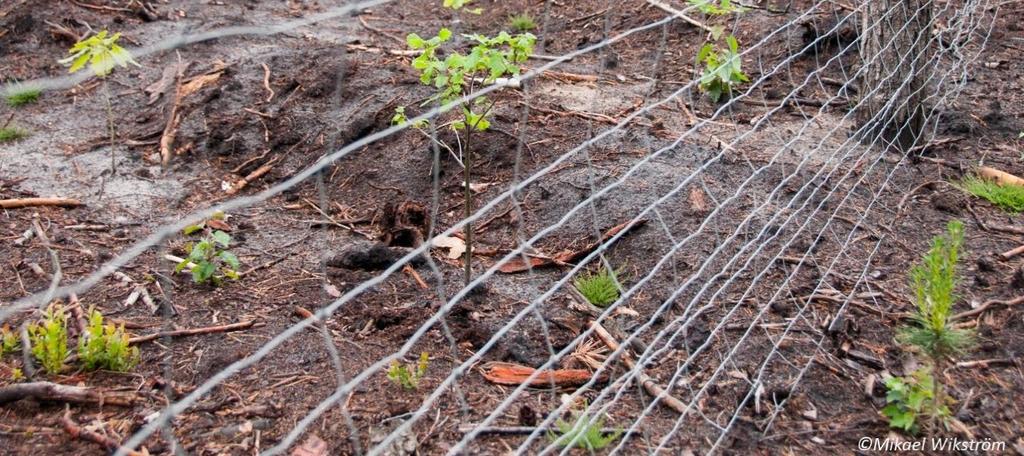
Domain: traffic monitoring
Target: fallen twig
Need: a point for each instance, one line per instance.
(1001, 177)
(416, 276)
(33, 202)
(1012, 253)
(77, 432)
(534, 261)
(259, 172)
(679, 14)
(647, 382)
(48, 391)
(192, 332)
(173, 119)
(266, 81)
(986, 305)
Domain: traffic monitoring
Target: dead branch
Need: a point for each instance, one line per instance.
(679, 14)
(33, 202)
(986, 305)
(48, 391)
(77, 432)
(173, 119)
(192, 332)
(1012, 253)
(259, 172)
(648, 383)
(266, 82)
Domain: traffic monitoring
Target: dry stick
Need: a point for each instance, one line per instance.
(26, 353)
(63, 393)
(259, 172)
(984, 306)
(679, 14)
(33, 202)
(416, 276)
(648, 383)
(192, 332)
(266, 81)
(77, 432)
(1001, 177)
(173, 119)
(1012, 253)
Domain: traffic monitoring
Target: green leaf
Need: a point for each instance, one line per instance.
(193, 228)
(230, 259)
(221, 238)
(415, 41)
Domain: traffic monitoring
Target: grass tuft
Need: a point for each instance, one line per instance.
(522, 22)
(1009, 198)
(23, 97)
(600, 288)
(8, 134)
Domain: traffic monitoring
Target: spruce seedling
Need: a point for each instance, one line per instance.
(933, 281)
(409, 376)
(49, 338)
(102, 53)
(522, 23)
(20, 96)
(722, 69)
(458, 75)
(9, 134)
(105, 346)
(583, 433)
(600, 288)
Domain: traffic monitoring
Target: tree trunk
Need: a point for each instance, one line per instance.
(897, 58)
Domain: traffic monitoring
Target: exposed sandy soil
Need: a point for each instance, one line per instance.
(330, 88)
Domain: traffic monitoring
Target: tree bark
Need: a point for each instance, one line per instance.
(897, 57)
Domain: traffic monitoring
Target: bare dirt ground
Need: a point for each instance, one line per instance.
(288, 99)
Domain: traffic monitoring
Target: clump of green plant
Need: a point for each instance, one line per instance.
(600, 288)
(105, 346)
(722, 68)
(102, 53)
(9, 341)
(22, 96)
(17, 375)
(910, 398)
(522, 22)
(1008, 197)
(720, 8)
(583, 433)
(9, 134)
(49, 338)
(933, 281)
(459, 4)
(409, 376)
(460, 74)
(211, 259)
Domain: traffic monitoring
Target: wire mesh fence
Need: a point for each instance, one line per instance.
(738, 227)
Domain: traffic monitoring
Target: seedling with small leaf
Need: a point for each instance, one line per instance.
(49, 338)
(722, 69)
(105, 346)
(102, 54)
(912, 398)
(720, 8)
(459, 4)
(460, 74)
(9, 341)
(409, 376)
(600, 288)
(211, 259)
(583, 432)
